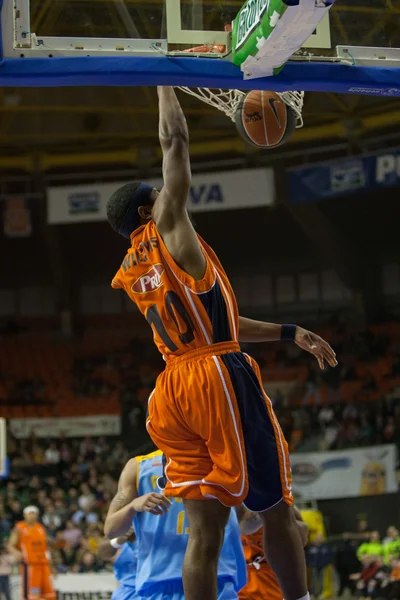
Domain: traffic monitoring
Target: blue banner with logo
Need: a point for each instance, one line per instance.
(343, 177)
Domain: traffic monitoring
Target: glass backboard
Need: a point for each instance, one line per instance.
(358, 33)
(375, 23)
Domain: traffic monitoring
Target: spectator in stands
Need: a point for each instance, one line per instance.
(391, 544)
(7, 562)
(5, 521)
(93, 537)
(373, 547)
(86, 499)
(67, 556)
(319, 557)
(392, 591)
(61, 509)
(42, 499)
(325, 416)
(84, 517)
(392, 534)
(72, 534)
(88, 563)
(34, 487)
(346, 563)
(15, 511)
(370, 567)
(51, 520)
(389, 430)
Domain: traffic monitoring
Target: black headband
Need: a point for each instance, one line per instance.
(130, 222)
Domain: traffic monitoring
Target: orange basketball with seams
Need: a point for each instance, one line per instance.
(264, 120)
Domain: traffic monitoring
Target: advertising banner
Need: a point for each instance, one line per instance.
(344, 473)
(208, 192)
(344, 177)
(75, 586)
(68, 426)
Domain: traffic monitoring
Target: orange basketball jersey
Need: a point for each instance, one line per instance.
(185, 314)
(261, 581)
(33, 543)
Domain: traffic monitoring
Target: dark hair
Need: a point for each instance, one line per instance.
(119, 202)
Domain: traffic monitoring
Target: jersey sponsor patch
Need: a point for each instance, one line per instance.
(150, 281)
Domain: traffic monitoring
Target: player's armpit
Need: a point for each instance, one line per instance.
(120, 512)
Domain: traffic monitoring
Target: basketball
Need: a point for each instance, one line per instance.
(264, 120)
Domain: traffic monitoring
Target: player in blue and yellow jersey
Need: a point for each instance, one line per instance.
(209, 413)
(161, 529)
(123, 550)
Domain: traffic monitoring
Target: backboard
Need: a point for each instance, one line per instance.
(354, 49)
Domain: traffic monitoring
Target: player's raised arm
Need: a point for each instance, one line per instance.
(174, 140)
(170, 212)
(126, 503)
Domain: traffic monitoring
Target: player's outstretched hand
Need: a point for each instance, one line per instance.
(315, 345)
(156, 504)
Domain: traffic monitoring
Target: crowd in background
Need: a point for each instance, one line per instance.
(367, 565)
(72, 483)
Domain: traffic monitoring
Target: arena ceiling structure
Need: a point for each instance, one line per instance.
(50, 128)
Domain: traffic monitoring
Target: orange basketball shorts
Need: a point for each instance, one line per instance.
(37, 582)
(211, 418)
(261, 584)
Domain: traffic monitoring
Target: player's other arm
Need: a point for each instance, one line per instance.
(170, 211)
(249, 521)
(126, 503)
(107, 549)
(302, 526)
(258, 331)
(13, 545)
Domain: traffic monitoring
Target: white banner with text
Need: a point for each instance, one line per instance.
(68, 426)
(75, 586)
(344, 473)
(226, 190)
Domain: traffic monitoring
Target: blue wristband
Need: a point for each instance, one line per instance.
(288, 332)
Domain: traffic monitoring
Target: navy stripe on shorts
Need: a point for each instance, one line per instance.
(265, 486)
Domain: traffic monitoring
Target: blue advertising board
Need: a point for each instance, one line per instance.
(344, 177)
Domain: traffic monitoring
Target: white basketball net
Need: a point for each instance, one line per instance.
(228, 100)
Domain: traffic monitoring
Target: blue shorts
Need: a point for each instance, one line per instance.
(226, 591)
(124, 592)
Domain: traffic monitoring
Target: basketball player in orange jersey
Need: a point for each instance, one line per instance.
(262, 583)
(28, 543)
(208, 413)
